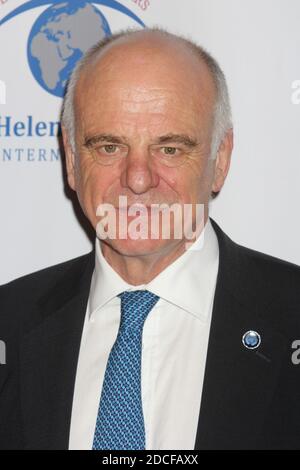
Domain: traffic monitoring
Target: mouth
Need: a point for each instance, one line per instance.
(154, 208)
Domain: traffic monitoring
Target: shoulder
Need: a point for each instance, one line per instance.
(272, 267)
(275, 284)
(243, 257)
(274, 279)
(19, 296)
(46, 275)
(257, 277)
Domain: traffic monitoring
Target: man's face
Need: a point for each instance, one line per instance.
(136, 109)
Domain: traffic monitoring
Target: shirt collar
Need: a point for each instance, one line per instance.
(188, 282)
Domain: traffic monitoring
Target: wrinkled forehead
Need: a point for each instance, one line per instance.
(142, 71)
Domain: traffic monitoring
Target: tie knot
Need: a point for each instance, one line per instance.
(135, 306)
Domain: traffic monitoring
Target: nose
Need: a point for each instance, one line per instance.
(139, 175)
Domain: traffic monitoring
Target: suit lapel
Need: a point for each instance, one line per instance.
(238, 383)
(48, 361)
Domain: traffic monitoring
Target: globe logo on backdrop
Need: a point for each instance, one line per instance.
(58, 38)
(62, 34)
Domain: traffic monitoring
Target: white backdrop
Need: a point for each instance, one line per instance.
(256, 43)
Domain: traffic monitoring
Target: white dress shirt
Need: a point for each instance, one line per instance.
(174, 346)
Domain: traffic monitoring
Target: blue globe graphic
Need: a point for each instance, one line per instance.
(59, 38)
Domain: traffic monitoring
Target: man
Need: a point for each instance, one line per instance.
(151, 342)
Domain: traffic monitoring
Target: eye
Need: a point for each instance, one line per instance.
(169, 150)
(109, 148)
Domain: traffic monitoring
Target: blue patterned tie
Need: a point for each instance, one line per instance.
(120, 420)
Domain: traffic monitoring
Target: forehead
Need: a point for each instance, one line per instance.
(146, 82)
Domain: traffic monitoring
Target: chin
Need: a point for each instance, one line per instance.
(139, 247)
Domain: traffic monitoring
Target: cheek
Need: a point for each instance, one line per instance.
(170, 176)
(92, 183)
(191, 183)
(184, 180)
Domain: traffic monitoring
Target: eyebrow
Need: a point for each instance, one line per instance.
(178, 139)
(103, 138)
(164, 139)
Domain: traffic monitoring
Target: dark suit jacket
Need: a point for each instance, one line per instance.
(251, 398)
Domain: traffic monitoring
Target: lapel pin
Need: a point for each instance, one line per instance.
(251, 339)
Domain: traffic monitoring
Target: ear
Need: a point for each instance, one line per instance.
(70, 159)
(223, 161)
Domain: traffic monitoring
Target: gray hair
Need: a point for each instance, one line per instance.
(222, 121)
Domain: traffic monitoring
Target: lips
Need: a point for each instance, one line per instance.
(138, 210)
(134, 208)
